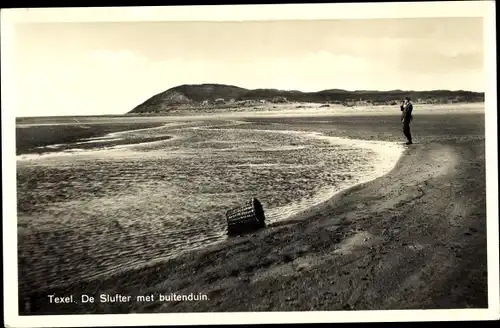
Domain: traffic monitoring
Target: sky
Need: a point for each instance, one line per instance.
(109, 68)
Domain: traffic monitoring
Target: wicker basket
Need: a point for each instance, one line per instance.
(246, 218)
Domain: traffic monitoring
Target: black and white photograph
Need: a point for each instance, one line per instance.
(228, 164)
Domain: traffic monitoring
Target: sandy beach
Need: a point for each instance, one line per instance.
(414, 238)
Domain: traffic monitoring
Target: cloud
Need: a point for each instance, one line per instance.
(119, 58)
(103, 81)
(95, 82)
(321, 70)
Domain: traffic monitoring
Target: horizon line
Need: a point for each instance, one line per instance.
(340, 89)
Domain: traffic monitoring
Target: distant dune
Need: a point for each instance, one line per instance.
(191, 96)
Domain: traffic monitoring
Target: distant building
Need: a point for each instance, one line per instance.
(279, 99)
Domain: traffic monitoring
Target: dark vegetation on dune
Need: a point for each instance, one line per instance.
(203, 95)
(29, 139)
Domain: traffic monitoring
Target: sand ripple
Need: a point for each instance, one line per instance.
(91, 214)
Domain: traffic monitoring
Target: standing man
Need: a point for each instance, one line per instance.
(406, 118)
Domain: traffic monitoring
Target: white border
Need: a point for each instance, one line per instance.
(9, 17)
(256, 12)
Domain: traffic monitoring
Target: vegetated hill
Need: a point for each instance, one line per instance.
(209, 92)
(189, 96)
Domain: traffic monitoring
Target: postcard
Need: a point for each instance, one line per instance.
(250, 164)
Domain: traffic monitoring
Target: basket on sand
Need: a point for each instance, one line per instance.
(246, 218)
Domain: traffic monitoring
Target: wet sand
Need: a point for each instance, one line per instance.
(33, 138)
(412, 239)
